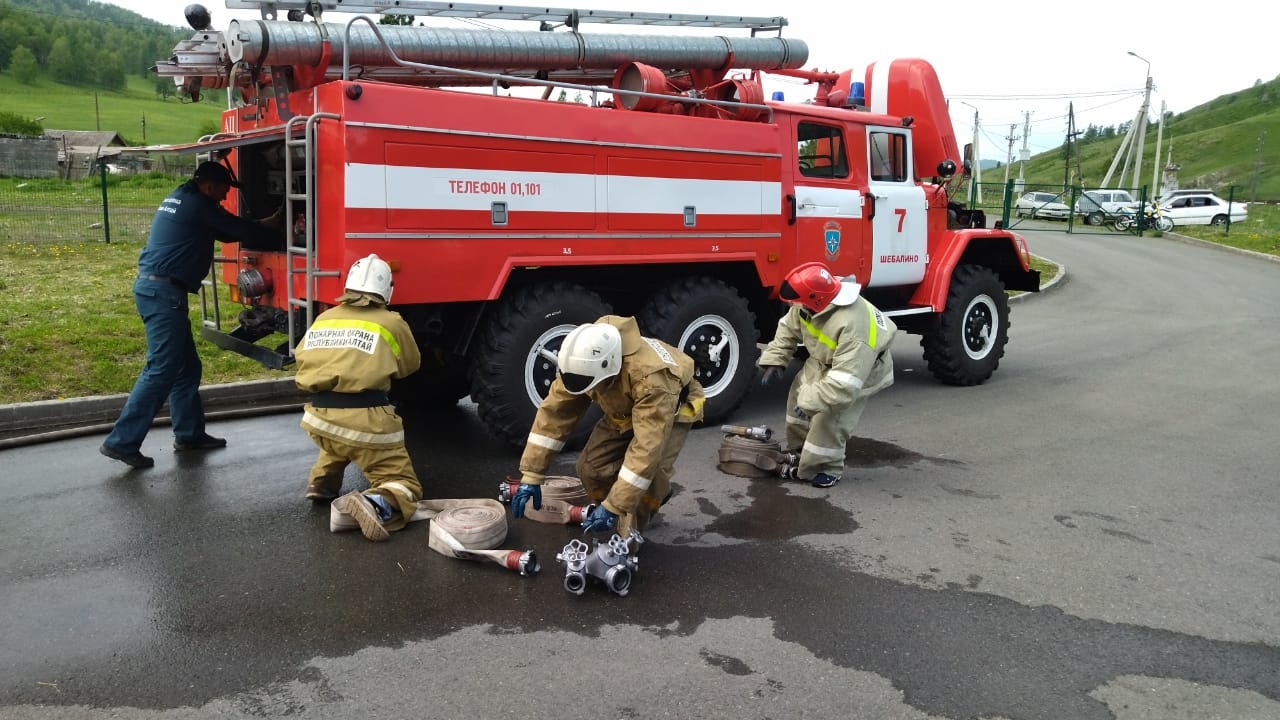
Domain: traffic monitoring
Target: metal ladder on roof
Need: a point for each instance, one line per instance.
(309, 270)
(569, 16)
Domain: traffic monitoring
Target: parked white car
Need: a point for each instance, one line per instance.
(1203, 209)
(1102, 206)
(1041, 205)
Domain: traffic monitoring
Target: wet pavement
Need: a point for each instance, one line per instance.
(1091, 534)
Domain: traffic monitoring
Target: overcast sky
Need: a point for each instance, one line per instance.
(1004, 58)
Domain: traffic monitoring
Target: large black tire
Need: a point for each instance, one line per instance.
(440, 383)
(509, 377)
(973, 328)
(710, 322)
(1097, 217)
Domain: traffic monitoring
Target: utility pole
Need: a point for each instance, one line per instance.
(975, 172)
(1025, 154)
(1142, 125)
(1156, 175)
(1073, 144)
(1257, 165)
(1010, 138)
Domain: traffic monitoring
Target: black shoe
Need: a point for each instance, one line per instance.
(823, 480)
(134, 459)
(204, 442)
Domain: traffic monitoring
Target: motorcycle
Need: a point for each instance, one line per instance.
(1153, 220)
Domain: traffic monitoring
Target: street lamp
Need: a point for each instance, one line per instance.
(1148, 62)
(1142, 123)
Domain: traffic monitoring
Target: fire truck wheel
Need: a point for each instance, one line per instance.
(509, 374)
(710, 322)
(440, 383)
(973, 329)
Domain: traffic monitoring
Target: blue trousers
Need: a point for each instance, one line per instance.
(172, 371)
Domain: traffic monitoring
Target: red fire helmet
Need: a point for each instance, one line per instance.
(813, 286)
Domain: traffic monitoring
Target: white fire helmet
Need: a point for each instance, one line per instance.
(589, 355)
(371, 274)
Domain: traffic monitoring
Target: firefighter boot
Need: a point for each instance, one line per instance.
(823, 480)
(321, 491)
(363, 511)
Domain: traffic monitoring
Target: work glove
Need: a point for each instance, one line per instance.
(770, 373)
(599, 519)
(523, 494)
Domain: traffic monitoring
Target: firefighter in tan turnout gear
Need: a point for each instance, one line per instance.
(848, 342)
(650, 400)
(347, 361)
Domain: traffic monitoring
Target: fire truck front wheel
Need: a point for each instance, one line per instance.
(513, 362)
(710, 322)
(973, 328)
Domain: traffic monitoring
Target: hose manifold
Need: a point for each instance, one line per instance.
(611, 563)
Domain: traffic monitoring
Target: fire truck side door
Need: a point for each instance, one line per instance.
(829, 206)
(899, 228)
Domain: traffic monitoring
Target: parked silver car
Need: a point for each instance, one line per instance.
(1102, 206)
(1041, 205)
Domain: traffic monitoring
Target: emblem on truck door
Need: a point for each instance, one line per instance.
(831, 236)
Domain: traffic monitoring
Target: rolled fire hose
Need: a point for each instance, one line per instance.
(564, 500)
(467, 529)
(750, 457)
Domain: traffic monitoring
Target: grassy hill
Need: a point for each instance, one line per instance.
(1216, 145)
(75, 108)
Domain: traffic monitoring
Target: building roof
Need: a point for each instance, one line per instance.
(87, 138)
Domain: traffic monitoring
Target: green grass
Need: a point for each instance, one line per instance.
(68, 326)
(1260, 233)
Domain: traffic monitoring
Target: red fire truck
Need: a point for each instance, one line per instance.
(674, 191)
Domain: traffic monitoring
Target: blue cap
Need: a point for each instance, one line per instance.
(778, 96)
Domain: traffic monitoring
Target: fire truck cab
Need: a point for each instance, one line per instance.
(675, 192)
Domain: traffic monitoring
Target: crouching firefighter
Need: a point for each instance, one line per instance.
(650, 400)
(347, 361)
(848, 341)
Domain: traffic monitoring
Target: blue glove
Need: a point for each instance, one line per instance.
(771, 372)
(799, 413)
(522, 496)
(599, 519)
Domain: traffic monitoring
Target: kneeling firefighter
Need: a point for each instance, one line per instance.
(347, 361)
(848, 341)
(650, 400)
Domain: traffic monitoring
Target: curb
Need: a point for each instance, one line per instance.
(1228, 248)
(24, 423)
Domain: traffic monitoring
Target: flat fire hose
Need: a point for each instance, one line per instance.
(466, 529)
(564, 500)
(749, 457)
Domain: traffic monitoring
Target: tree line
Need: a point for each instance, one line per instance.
(80, 42)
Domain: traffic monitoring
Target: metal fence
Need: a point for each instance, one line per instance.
(101, 208)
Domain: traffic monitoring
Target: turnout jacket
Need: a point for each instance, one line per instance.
(350, 348)
(848, 353)
(654, 390)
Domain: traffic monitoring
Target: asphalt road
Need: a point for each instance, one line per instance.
(1094, 533)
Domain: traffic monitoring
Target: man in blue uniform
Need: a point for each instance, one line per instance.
(171, 266)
